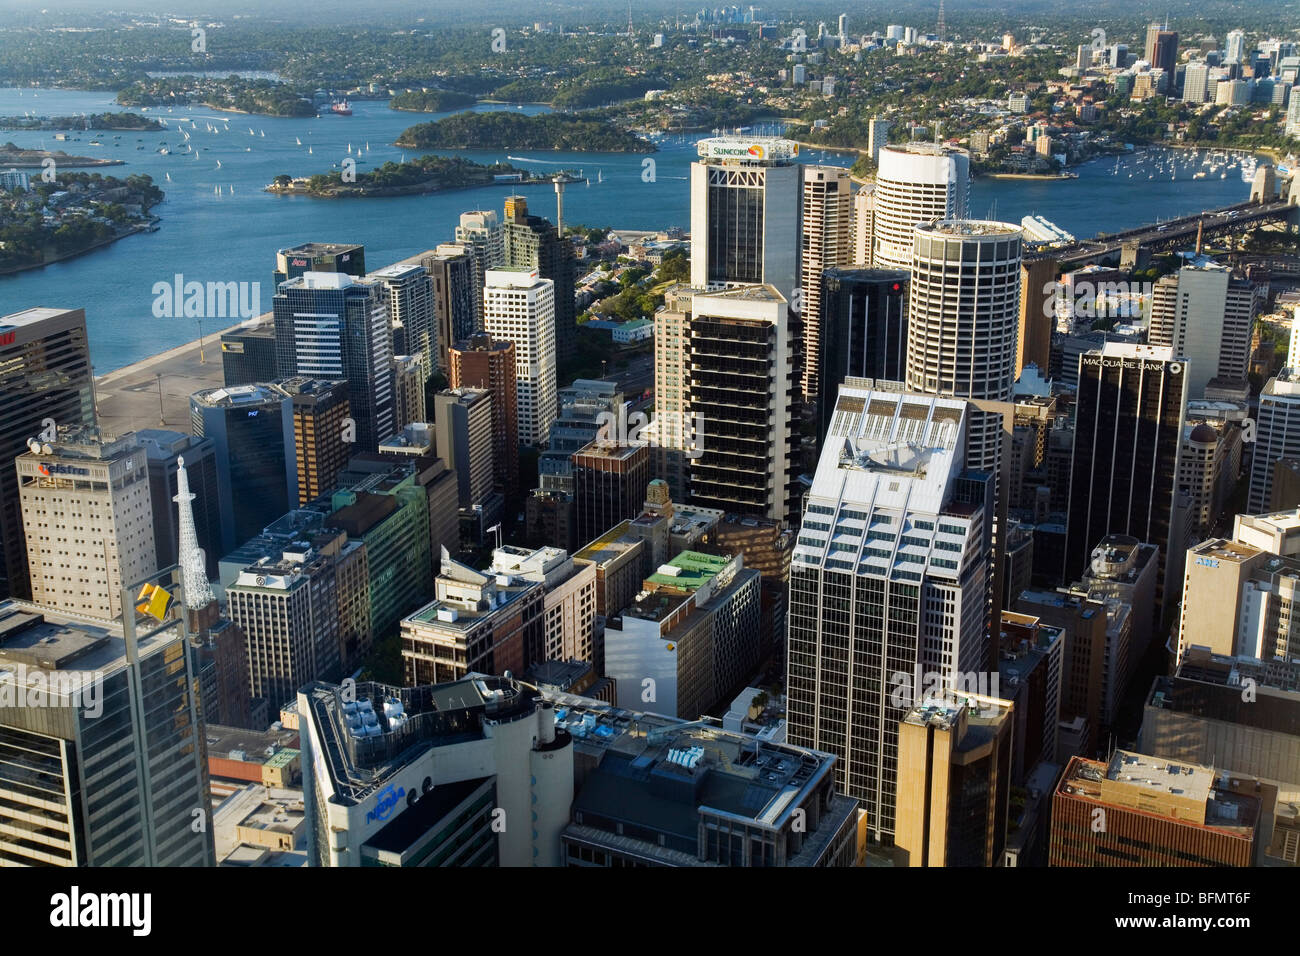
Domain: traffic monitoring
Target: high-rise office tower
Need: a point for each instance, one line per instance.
(339, 257)
(44, 380)
(164, 449)
(520, 307)
(482, 362)
(609, 482)
(1162, 50)
(1037, 315)
(1205, 315)
(915, 183)
(954, 782)
(740, 397)
(1129, 416)
(1234, 49)
(742, 194)
(887, 583)
(1277, 434)
(480, 233)
(409, 293)
(671, 429)
(409, 378)
(252, 427)
(534, 244)
(287, 606)
(109, 771)
(88, 520)
(825, 215)
(332, 326)
(322, 436)
(964, 307)
(457, 295)
(462, 419)
(864, 332)
(864, 217)
(248, 354)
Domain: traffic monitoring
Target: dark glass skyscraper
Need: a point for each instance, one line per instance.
(1132, 400)
(331, 326)
(863, 333)
(252, 427)
(319, 257)
(45, 379)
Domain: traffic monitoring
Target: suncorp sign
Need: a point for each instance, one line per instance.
(727, 148)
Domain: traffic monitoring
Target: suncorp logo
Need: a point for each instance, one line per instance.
(385, 803)
(756, 150)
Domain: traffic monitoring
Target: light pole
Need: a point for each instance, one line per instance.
(162, 417)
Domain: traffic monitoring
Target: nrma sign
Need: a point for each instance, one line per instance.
(385, 803)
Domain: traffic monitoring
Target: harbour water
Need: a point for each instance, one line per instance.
(218, 225)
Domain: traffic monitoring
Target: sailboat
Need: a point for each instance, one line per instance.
(299, 140)
(349, 149)
(263, 133)
(169, 176)
(308, 150)
(218, 164)
(600, 176)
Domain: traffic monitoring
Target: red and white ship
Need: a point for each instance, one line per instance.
(341, 107)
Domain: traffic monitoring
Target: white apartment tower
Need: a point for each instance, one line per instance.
(915, 183)
(88, 520)
(481, 233)
(887, 583)
(1277, 435)
(520, 307)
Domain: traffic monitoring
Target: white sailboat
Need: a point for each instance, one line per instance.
(308, 150)
(169, 176)
(298, 139)
(218, 164)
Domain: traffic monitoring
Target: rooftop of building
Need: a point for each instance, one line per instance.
(85, 442)
(610, 450)
(333, 281)
(381, 728)
(689, 570)
(262, 327)
(320, 248)
(454, 617)
(1272, 522)
(1174, 789)
(306, 390)
(744, 293)
(978, 718)
(36, 640)
(398, 270)
(610, 546)
(969, 228)
(257, 807)
(257, 746)
(1220, 549)
(660, 771)
(1133, 350)
(235, 396)
(16, 320)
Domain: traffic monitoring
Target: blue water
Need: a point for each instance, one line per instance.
(233, 237)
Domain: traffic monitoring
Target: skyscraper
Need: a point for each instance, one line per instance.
(1277, 434)
(864, 332)
(1205, 314)
(248, 354)
(88, 519)
(480, 234)
(825, 215)
(481, 362)
(111, 769)
(743, 192)
(45, 381)
(609, 483)
(532, 243)
(1234, 50)
(322, 436)
(252, 427)
(1162, 50)
(1129, 417)
(520, 307)
(463, 426)
(340, 257)
(1037, 315)
(332, 326)
(887, 583)
(409, 293)
(740, 397)
(964, 308)
(915, 183)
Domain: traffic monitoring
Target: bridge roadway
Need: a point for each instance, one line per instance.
(1174, 233)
